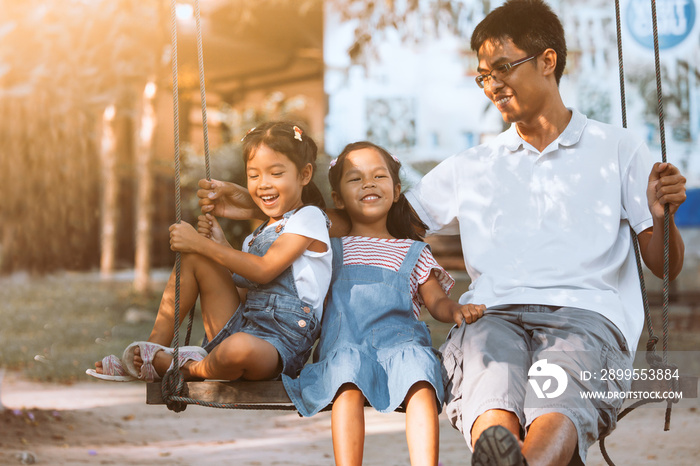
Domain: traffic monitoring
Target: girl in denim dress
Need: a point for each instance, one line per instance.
(372, 345)
(261, 306)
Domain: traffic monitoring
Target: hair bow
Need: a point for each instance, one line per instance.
(246, 134)
(297, 133)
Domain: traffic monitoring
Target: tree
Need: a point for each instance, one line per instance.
(144, 208)
(62, 64)
(412, 20)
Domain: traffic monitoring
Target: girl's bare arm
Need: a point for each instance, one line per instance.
(283, 252)
(443, 309)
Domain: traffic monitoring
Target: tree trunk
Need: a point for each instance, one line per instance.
(110, 184)
(144, 201)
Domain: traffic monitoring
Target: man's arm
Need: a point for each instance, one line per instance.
(666, 186)
(227, 200)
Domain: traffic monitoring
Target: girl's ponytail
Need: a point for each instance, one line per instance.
(403, 222)
(311, 195)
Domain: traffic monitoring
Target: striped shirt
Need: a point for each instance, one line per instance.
(390, 253)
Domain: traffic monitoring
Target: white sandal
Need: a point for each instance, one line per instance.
(148, 351)
(112, 369)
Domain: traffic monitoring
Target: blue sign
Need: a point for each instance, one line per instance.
(688, 214)
(674, 19)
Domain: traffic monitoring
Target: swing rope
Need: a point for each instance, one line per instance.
(173, 382)
(173, 387)
(655, 361)
(205, 128)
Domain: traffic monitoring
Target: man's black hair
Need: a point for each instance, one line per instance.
(530, 24)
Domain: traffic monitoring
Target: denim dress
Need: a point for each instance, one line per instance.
(273, 312)
(370, 338)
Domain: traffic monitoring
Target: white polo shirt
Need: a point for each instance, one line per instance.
(550, 227)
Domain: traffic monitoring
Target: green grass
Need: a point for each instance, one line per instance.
(53, 328)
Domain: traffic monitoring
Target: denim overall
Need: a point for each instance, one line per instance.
(370, 338)
(273, 312)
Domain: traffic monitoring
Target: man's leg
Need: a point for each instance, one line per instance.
(551, 439)
(561, 428)
(486, 372)
(495, 417)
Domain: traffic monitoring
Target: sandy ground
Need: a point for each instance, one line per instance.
(109, 423)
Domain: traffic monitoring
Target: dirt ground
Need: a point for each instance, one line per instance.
(109, 423)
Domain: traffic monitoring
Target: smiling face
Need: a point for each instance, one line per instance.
(367, 190)
(521, 93)
(274, 182)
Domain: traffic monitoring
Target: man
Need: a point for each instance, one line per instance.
(544, 212)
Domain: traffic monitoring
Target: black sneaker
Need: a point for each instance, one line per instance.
(497, 446)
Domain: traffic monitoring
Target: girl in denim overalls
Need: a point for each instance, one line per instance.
(261, 306)
(372, 345)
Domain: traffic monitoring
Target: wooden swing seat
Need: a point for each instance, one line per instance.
(242, 392)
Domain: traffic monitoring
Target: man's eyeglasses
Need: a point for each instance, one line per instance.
(501, 71)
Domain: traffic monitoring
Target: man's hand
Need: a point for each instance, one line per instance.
(227, 200)
(666, 186)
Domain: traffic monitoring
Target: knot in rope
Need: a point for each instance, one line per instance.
(651, 346)
(173, 389)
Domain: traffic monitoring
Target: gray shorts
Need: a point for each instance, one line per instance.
(494, 363)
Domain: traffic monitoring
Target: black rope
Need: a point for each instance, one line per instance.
(205, 130)
(655, 361)
(623, 99)
(174, 389)
(653, 339)
(666, 279)
(178, 206)
(662, 138)
(202, 91)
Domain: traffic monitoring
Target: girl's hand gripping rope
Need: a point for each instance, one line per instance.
(184, 238)
(209, 227)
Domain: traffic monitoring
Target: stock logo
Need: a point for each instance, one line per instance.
(542, 370)
(675, 21)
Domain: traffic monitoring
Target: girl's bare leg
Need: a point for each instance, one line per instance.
(422, 428)
(348, 426)
(201, 277)
(239, 355)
